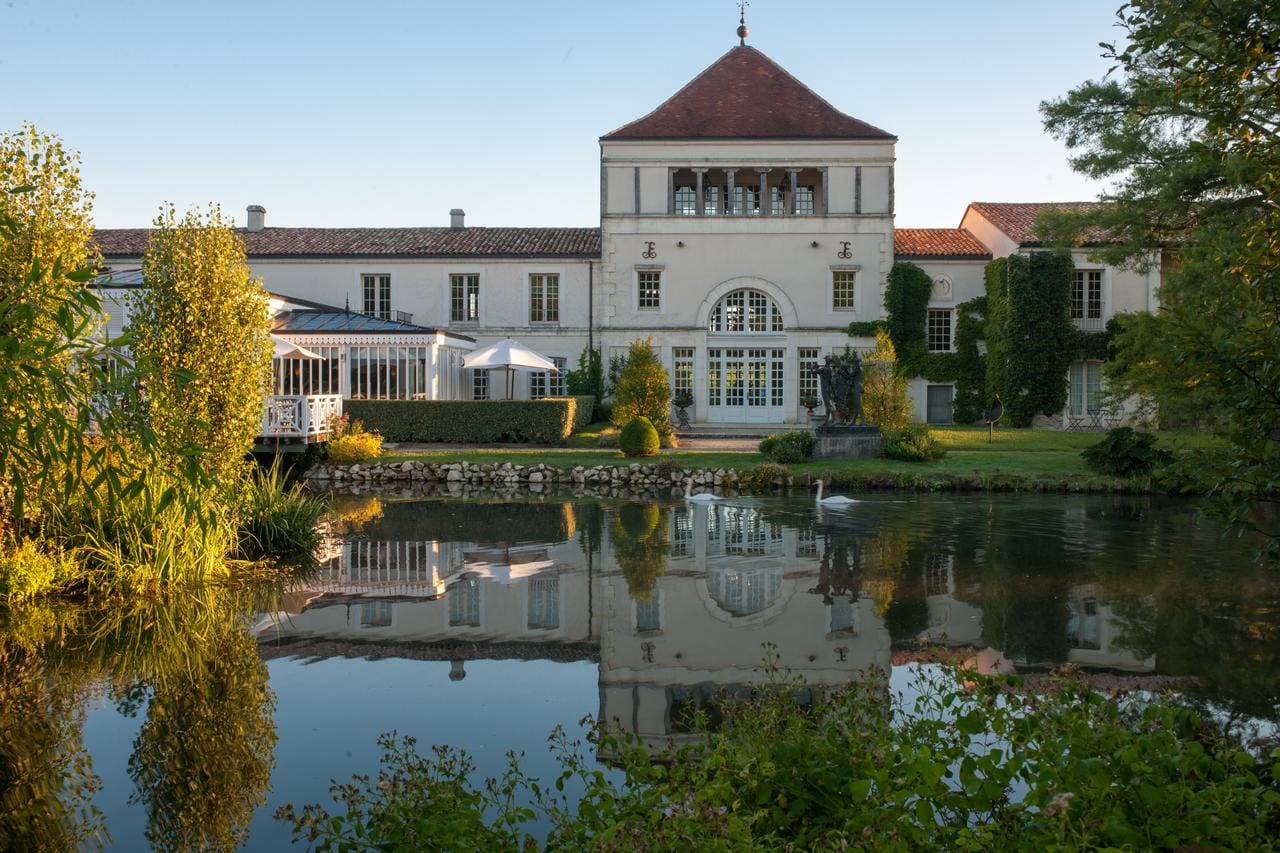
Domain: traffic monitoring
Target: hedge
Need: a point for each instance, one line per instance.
(547, 421)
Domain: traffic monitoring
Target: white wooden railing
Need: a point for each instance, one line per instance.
(300, 416)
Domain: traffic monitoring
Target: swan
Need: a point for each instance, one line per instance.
(702, 497)
(833, 500)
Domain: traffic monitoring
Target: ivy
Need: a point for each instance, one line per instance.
(1030, 342)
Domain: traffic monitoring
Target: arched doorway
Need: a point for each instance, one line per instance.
(746, 359)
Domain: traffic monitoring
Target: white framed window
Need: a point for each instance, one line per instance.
(544, 298)
(388, 373)
(843, 289)
(1086, 295)
(375, 291)
(804, 201)
(1086, 387)
(464, 298)
(375, 614)
(464, 603)
(808, 379)
(479, 385)
(681, 372)
(649, 290)
(545, 383)
(686, 201)
(746, 200)
(649, 613)
(747, 312)
(778, 201)
(939, 330)
(711, 200)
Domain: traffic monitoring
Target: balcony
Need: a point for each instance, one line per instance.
(1089, 323)
(300, 417)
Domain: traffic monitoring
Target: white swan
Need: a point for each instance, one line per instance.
(833, 500)
(702, 497)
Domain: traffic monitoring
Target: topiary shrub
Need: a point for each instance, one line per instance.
(787, 448)
(912, 443)
(1126, 453)
(642, 390)
(639, 438)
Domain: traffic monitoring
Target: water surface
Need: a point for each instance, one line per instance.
(485, 623)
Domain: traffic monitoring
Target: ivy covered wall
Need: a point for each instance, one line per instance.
(1017, 341)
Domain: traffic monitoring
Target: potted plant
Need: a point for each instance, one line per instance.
(810, 403)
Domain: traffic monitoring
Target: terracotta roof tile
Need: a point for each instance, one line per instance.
(746, 95)
(938, 243)
(387, 242)
(1018, 219)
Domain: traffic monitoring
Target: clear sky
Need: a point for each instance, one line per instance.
(391, 113)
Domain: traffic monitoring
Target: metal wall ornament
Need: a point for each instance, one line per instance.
(649, 251)
(844, 252)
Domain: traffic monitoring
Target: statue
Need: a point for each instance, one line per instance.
(840, 380)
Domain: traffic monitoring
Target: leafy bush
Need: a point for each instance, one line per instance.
(351, 442)
(912, 443)
(788, 447)
(763, 478)
(29, 571)
(967, 763)
(547, 421)
(639, 438)
(1126, 453)
(642, 390)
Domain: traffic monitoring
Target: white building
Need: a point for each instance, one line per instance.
(744, 223)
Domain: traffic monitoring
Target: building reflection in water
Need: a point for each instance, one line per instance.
(675, 602)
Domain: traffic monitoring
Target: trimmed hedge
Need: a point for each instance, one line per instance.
(547, 421)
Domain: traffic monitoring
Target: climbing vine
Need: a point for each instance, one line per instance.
(1023, 321)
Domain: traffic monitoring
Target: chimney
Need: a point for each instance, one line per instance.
(456, 217)
(257, 217)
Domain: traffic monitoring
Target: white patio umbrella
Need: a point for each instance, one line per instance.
(507, 355)
(287, 349)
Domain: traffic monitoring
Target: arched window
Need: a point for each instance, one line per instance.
(745, 312)
(744, 591)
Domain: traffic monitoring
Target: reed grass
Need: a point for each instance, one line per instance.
(277, 518)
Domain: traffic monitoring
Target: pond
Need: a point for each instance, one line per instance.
(485, 622)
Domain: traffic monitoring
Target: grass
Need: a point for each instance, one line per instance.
(1017, 458)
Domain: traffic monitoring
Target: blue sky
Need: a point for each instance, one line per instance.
(391, 113)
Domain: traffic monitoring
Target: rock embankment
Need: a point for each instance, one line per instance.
(659, 478)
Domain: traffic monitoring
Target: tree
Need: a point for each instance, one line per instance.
(1188, 137)
(885, 400)
(203, 323)
(643, 390)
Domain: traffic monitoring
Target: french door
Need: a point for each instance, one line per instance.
(745, 384)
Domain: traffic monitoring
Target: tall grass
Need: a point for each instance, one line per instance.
(277, 518)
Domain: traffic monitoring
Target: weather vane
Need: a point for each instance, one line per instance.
(743, 32)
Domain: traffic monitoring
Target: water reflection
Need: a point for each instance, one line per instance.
(203, 757)
(661, 605)
(674, 600)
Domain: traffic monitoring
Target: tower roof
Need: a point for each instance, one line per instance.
(746, 95)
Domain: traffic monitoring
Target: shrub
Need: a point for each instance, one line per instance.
(963, 762)
(1126, 453)
(547, 421)
(912, 443)
(885, 401)
(642, 390)
(788, 448)
(278, 518)
(29, 571)
(351, 442)
(763, 478)
(639, 438)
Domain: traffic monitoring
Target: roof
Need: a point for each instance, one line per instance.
(336, 321)
(1017, 219)
(938, 244)
(746, 95)
(386, 242)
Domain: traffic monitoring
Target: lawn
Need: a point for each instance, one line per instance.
(1017, 457)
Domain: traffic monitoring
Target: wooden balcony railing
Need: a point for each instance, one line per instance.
(309, 417)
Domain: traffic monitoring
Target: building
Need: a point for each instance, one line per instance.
(744, 223)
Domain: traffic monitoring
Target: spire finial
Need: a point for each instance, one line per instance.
(743, 32)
